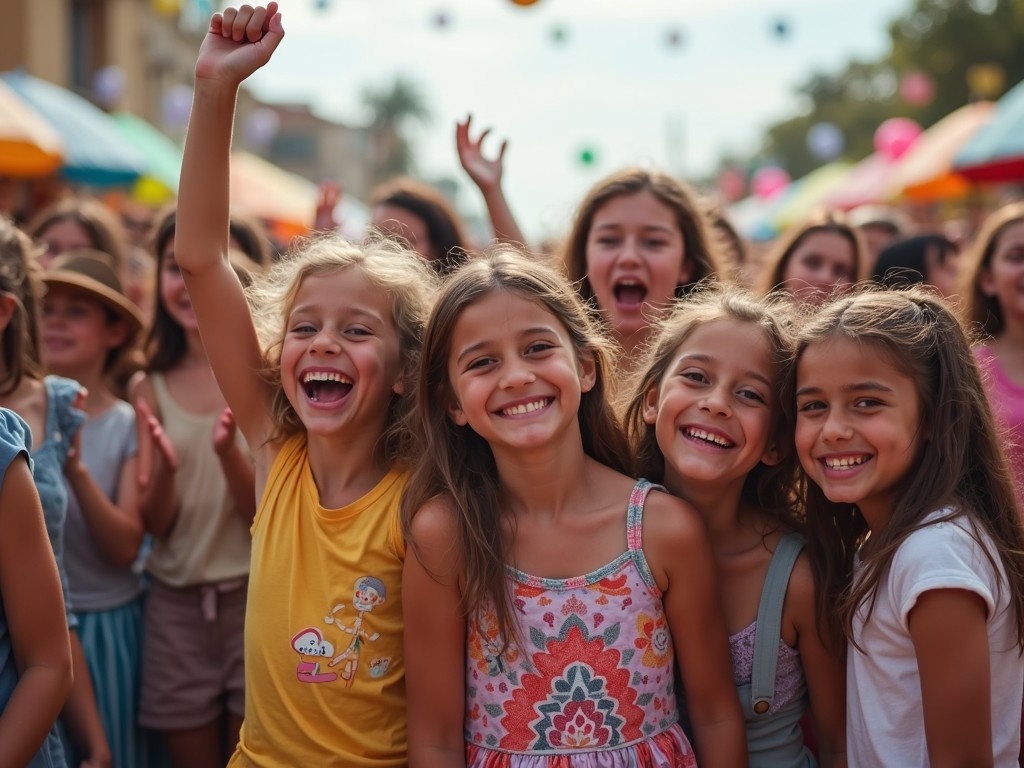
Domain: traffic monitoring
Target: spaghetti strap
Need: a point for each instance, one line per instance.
(635, 514)
(769, 623)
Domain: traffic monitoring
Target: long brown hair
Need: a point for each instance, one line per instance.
(979, 307)
(19, 278)
(457, 464)
(960, 467)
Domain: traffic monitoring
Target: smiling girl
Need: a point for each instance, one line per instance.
(913, 532)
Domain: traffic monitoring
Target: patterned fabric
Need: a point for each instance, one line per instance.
(592, 682)
(789, 675)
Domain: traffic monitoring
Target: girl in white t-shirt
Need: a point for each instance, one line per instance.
(912, 531)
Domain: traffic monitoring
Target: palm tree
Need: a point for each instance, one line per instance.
(393, 108)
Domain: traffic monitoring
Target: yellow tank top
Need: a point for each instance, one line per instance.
(325, 679)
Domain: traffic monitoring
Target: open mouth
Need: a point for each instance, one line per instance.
(326, 386)
(524, 408)
(629, 294)
(845, 462)
(711, 438)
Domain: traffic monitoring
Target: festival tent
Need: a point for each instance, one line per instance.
(925, 173)
(996, 152)
(272, 194)
(29, 146)
(867, 182)
(807, 194)
(94, 152)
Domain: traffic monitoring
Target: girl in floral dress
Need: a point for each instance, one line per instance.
(545, 611)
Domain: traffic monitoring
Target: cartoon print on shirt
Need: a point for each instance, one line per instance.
(369, 592)
(309, 642)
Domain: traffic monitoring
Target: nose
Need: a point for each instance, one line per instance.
(629, 252)
(324, 343)
(516, 373)
(836, 427)
(716, 401)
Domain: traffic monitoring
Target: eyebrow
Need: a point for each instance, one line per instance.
(484, 342)
(708, 359)
(617, 225)
(353, 312)
(860, 386)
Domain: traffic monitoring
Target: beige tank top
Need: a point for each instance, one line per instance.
(210, 540)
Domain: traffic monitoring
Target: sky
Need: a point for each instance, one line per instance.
(615, 87)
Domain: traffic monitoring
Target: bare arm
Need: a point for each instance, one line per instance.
(678, 548)
(435, 643)
(487, 174)
(236, 465)
(115, 526)
(31, 592)
(157, 464)
(236, 45)
(823, 668)
(81, 714)
(948, 628)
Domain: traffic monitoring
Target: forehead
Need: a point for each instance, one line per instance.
(1012, 234)
(826, 243)
(346, 289)
(641, 208)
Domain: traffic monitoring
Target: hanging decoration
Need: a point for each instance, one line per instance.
(176, 107)
(108, 85)
(895, 136)
(769, 182)
(261, 126)
(825, 141)
(917, 88)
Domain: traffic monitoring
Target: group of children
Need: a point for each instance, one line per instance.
(453, 561)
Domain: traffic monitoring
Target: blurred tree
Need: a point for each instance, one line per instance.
(393, 108)
(943, 38)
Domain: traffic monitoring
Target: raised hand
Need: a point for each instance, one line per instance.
(224, 432)
(239, 41)
(485, 173)
(328, 194)
(155, 448)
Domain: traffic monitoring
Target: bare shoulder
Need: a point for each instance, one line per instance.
(433, 536)
(672, 522)
(800, 611)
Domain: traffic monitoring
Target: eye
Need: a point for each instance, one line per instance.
(303, 329)
(539, 346)
(358, 331)
(608, 240)
(697, 377)
(868, 402)
(656, 243)
(752, 394)
(810, 406)
(479, 362)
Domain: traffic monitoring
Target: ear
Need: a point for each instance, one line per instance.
(587, 371)
(398, 387)
(985, 282)
(651, 406)
(456, 414)
(772, 456)
(8, 306)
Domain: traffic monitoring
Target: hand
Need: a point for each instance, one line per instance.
(328, 193)
(239, 42)
(486, 174)
(73, 459)
(224, 432)
(155, 447)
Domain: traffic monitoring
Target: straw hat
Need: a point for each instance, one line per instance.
(92, 272)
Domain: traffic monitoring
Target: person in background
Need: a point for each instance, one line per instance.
(930, 259)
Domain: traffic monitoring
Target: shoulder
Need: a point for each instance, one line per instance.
(433, 539)
(15, 438)
(800, 607)
(672, 522)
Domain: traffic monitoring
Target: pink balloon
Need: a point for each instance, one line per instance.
(769, 181)
(917, 88)
(895, 136)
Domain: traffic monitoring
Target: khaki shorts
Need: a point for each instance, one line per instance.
(192, 659)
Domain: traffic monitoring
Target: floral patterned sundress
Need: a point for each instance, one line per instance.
(594, 685)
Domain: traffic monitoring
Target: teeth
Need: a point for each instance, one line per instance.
(710, 437)
(845, 462)
(325, 376)
(518, 410)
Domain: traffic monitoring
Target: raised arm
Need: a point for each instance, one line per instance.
(237, 43)
(486, 174)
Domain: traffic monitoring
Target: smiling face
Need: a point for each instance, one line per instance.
(712, 410)
(76, 333)
(858, 426)
(516, 378)
(1003, 278)
(173, 293)
(340, 358)
(635, 260)
(822, 261)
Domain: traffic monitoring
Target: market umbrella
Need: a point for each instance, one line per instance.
(94, 152)
(808, 194)
(265, 191)
(866, 182)
(29, 146)
(996, 152)
(162, 156)
(925, 173)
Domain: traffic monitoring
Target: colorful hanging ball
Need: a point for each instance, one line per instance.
(108, 84)
(917, 89)
(524, 3)
(769, 182)
(986, 80)
(825, 141)
(261, 127)
(587, 156)
(780, 27)
(167, 7)
(177, 106)
(895, 136)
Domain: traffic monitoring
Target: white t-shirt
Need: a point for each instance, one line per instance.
(884, 720)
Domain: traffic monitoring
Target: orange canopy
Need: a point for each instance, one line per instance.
(29, 146)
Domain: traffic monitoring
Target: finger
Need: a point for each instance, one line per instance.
(240, 22)
(275, 28)
(217, 24)
(254, 29)
(483, 135)
(228, 21)
(501, 152)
